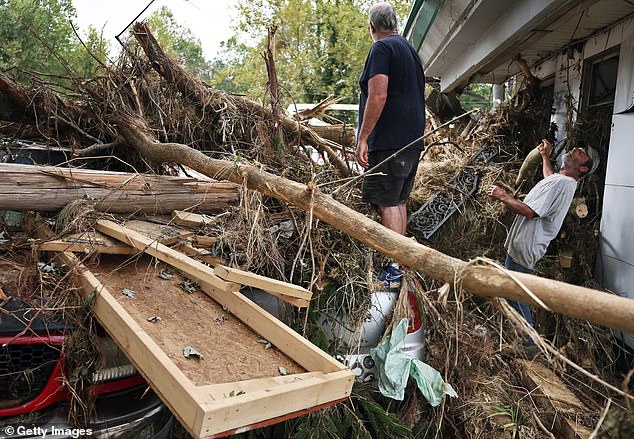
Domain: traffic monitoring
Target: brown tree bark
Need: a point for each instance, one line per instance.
(339, 133)
(201, 96)
(486, 281)
(49, 189)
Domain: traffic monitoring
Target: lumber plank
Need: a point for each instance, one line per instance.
(283, 290)
(189, 219)
(197, 253)
(229, 390)
(195, 269)
(48, 188)
(162, 233)
(556, 399)
(87, 243)
(252, 407)
(204, 241)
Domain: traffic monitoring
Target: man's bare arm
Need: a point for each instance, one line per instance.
(515, 205)
(377, 95)
(545, 148)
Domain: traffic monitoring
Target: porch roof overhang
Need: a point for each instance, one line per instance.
(464, 41)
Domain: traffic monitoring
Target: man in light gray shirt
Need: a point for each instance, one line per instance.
(540, 216)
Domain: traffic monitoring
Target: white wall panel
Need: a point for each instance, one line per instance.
(617, 224)
(621, 154)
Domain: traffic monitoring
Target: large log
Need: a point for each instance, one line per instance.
(486, 281)
(47, 188)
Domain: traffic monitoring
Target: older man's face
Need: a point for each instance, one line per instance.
(576, 157)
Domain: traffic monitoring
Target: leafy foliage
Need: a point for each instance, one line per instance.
(321, 47)
(37, 35)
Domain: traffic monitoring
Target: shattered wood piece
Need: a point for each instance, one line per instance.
(342, 134)
(190, 219)
(204, 241)
(87, 242)
(48, 189)
(3, 296)
(197, 253)
(578, 207)
(195, 269)
(556, 399)
(293, 294)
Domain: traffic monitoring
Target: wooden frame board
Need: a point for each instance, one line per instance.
(212, 409)
(290, 293)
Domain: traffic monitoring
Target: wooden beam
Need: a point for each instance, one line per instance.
(560, 405)
(204, 241)
(197, 253)
(193, 268)
(47, 189)
(284, 290)
(268, 403)
(190, 219)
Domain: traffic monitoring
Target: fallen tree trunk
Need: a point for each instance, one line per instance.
(47, 188)
(340, 133)
(486, 281)
(201, 96)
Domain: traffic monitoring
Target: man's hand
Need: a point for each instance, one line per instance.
(545, 148)
(497, 192)
(362, 153)
(516, 206)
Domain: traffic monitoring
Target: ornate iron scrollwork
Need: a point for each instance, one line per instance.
(432, 215)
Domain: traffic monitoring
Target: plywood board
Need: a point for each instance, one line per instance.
(190, 319)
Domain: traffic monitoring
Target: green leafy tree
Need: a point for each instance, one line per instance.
(179, 42)
(37, 36)
(321, 46)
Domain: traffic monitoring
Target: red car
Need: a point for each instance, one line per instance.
(34, 399)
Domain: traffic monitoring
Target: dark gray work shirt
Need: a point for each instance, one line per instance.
(403, 117)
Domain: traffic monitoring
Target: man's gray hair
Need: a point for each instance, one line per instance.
(383, 17)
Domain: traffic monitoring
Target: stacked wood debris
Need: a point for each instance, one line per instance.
(147, 112)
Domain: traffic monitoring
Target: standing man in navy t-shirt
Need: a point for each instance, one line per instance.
(391, 115)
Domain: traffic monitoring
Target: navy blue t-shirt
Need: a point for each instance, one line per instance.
(403, 117)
